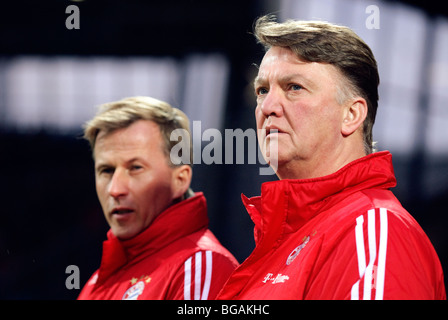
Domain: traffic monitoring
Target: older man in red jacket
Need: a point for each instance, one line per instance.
(330, 228)
(159, 245)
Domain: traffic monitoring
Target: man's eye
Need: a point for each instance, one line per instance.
(261, 91)
(106, 170)
(295, 87)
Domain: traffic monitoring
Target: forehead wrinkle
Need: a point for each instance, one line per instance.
(138, 138)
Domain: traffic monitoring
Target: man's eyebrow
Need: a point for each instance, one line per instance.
(287, 78)
(134, 159)
(298, 77)
(257, 80)
(101, 165)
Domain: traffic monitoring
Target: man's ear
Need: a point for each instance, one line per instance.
(354, 115)
(181, 180)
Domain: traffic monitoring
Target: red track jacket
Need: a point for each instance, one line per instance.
(342, 236)
(176, 257)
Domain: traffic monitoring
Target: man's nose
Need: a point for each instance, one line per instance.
(272, 104)
(119, 184)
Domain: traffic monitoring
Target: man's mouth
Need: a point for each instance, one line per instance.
(121, 211)
(272, 130)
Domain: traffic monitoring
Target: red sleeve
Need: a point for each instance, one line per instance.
(385, 256)
(201, 277)
(395, 259)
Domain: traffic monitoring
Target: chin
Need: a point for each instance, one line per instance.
(124, 234)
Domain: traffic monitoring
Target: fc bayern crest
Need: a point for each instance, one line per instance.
(133, 292)
(296, 251)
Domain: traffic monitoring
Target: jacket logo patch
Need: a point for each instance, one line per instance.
(133, 292)
(280, 278)
(296, 251)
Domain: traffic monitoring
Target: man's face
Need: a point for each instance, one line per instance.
(133, 178)
(299, 100)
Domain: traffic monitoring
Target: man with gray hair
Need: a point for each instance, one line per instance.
(159, 246)
(330, 228)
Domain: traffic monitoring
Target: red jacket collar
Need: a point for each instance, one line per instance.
(286, 205)
(179, 220)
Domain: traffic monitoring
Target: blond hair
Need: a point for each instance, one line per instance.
(317, 41)
(121, 114)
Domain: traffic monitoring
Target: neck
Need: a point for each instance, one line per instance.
(319, 165)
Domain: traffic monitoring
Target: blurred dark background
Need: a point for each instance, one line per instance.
(50, 217)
